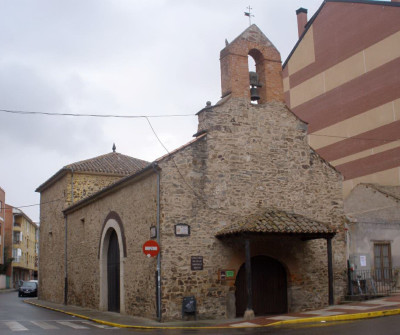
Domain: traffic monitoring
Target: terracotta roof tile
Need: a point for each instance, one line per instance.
(277, 221)
(113, 163)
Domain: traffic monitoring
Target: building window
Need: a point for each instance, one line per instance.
(17, 237)
(17, 254)
(382, 260)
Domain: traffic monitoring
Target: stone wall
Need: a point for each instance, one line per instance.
(87, 184)
(253, 157)
(135, 204)
(51, 241)
(54, 199)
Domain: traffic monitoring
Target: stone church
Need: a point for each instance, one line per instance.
(247, 217)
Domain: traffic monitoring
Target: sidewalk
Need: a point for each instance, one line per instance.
(6, 290)
(352, 311)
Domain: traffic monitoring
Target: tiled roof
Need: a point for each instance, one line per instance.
(112, 163)
(274, 221)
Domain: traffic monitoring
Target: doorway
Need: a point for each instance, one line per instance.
(113, 273)
(269, 285)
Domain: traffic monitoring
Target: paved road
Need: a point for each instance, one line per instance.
(19, 317)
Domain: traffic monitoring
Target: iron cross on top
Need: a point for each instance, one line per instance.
(248, 13)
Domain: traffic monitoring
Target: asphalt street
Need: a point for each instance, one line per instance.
(17, 316)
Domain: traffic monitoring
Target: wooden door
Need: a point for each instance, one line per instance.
(269, 286)
(113, 274)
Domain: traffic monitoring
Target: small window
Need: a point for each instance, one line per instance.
(382, 260)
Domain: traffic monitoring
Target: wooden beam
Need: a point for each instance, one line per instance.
(330, 269)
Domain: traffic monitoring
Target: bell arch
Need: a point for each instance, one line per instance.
(112, 251)
(234, 66)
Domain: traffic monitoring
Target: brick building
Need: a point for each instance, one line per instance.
(2, 226)
(3, 282)
(343, 78)
(21, 241)
(247, 190)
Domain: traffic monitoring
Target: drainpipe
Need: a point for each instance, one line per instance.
(66, 260)
(330, 270)
(158, 291)
(66, 242)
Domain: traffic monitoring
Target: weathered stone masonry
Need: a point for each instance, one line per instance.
(247, 158)
(253, 157)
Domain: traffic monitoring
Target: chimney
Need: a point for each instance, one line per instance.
(302, 19)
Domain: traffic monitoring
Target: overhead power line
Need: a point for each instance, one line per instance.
(32, 205)
(92, 115)
(172, 115)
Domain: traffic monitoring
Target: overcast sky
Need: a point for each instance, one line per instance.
(123, 57)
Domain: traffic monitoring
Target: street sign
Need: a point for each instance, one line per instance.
(196, 263)
(151, 248)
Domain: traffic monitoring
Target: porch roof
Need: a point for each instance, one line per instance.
(275, 221)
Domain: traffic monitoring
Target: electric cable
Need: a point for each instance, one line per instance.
(92, 115)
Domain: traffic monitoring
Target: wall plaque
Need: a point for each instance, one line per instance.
(226, 274)
(182, 229)
(196, 263)
(153, 232)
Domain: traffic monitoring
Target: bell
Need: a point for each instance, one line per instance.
(254, 94)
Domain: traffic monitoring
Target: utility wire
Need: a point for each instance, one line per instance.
(32, 205)
(197, 195)
(158, 139)
(176, 166)
(92, 115)
(169, 115)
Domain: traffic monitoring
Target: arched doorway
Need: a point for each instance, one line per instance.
(269, 286)
(113, 273)
(112, 252)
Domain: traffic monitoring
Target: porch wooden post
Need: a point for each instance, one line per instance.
(330, 269)
(249, 313)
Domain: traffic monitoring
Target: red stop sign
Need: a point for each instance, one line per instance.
(151, 248)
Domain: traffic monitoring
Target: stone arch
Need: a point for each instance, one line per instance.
(270, 287)
(234, 66)
(112, 224)
(259, 61)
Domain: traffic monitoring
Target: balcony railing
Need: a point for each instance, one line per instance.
(381, 281)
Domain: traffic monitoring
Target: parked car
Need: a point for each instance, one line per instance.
(28, 289)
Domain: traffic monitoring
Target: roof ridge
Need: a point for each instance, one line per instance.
(99, 157)
(378, 188)
(273, 220)
(113, 163)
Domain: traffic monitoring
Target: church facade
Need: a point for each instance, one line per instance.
(248, 218)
